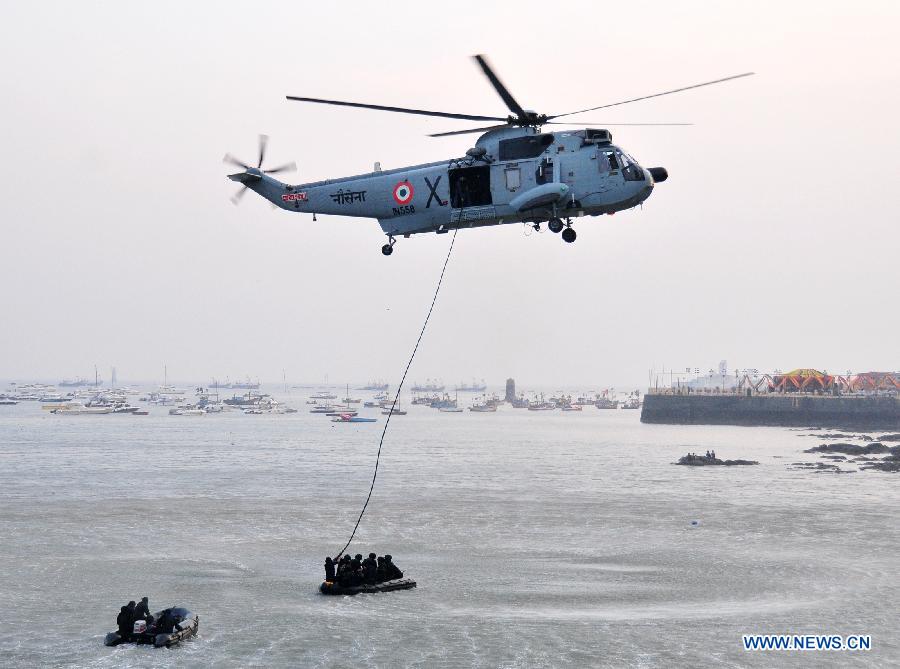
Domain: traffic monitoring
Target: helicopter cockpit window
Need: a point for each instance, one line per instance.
(530, 146)
(630, 169)
(608, 162)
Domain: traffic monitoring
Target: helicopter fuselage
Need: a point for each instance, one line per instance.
(512, 175)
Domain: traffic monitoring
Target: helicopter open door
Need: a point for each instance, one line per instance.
(470, 187)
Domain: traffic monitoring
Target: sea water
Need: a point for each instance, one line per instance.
(538, 539)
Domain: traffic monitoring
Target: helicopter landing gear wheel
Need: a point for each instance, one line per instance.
(555, 225)
(569, 235)
(387, 249)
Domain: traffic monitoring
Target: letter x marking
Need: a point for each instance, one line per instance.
(433, 193)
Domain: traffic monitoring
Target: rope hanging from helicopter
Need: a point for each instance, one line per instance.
(397, 394)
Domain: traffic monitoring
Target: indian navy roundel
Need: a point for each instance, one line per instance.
(403, 192)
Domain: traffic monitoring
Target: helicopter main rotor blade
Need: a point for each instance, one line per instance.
(466, 132)
(287, 167)
(510, 101)
(402, 110)
(655, 95)
(607, 124)
(234, 161)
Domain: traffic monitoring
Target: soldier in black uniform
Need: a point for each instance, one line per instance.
(329, 569)
(391, 570)
(343, 571)
(356, 570)
(370, 569)
(380, 573)
(142, 611)
(130, 606)
(123, 620)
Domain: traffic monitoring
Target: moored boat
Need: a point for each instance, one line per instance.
(78, 409)
(347, 418)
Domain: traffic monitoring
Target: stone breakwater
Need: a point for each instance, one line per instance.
(789, 410)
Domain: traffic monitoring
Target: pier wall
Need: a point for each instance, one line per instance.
(794, 410)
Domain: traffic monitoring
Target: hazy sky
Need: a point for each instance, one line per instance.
(774, 243)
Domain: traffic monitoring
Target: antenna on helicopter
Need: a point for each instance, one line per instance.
(253, 173)
(520, 116)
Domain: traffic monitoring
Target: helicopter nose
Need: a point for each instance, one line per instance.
(659, 174)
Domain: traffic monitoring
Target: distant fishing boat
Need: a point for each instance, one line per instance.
(375, 385)
(473, 388)
(349, 400)
(80, 381)
(393, 411)
(483, 407)
(79, 409)
(428, 387)
(347, 418)
(323, 395)
(450, 410)
(246, 385)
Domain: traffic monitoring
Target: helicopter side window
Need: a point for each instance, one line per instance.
(519, 148)
(513, 178)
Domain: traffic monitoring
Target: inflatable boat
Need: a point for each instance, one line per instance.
(331, 588)
(170, 626)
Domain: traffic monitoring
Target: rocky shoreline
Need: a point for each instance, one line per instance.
(889, 463)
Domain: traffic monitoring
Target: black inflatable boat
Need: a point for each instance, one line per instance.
(331, 588)
(170, 626)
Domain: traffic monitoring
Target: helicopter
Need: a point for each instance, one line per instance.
(515, 173)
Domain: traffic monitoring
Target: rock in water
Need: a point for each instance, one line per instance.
(703, 461)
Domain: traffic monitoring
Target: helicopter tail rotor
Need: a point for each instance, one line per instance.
(252, 174)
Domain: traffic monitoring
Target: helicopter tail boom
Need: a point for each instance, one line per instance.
(245, 177)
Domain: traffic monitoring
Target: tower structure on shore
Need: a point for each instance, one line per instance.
(510, 390)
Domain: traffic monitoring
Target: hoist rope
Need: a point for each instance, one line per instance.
(397, 394)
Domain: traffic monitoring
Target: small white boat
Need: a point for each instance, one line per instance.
(79, 409)
(450, 409)
(187, 411)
